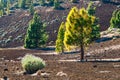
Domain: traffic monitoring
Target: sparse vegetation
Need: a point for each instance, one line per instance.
(31, 9)
(42, 2)
(73, 30)
(8, 7)
(115, 20)
(56, 4)
(22, 3)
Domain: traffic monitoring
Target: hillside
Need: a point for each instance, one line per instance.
(13, 27)
(101, 59)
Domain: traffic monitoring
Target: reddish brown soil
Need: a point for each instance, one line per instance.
(10, 64)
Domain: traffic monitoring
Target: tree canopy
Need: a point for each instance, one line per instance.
(60, 38)
(115, 20)
(78, 29)
(36, 35)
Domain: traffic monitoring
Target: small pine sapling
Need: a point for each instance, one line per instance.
(60, 39)
(115, 20)
(56, 4)
(95, 28)
(31, 9)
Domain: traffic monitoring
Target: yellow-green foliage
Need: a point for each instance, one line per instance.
(32, 63)
(60, 38)
(91, 8)
(1, 12)
(8, 7)
(78, 28)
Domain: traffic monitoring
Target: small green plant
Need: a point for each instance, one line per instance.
(115, 20)
(56, 4)
(31, 63)
(31, 9)
(50, 2)
(42, 2)
(60, 39)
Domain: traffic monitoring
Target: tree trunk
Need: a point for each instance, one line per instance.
(82, 52)
(62, 49)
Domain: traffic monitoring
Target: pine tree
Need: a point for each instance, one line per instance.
(36, 36)
(31, 9)
(19, 3)
(60, 39)
(1, 9)
(42, 2)
(8, 7)
(29, 2)
(22, 4)
(115, 20)
(4, 3)
(91, 9)
(1, 13)
(51, 2)
(56, 4)
(78, 29)
(95, 28)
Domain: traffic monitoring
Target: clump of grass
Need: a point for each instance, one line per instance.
(31, 63)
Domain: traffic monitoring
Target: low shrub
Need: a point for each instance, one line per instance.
(31, 63)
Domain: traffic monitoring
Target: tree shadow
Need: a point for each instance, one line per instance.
(98, 60)
(111, 2)
(44, 49)
(60, 8)
(72, 52)
(103, 39)
(48, 49)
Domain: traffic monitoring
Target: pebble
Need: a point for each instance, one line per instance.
(61, 73)
(116, 66)
(45, 75)
(104, 71)
(4, 78)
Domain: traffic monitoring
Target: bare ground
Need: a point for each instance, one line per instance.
(55, 69)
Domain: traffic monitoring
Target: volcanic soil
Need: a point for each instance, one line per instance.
(63, 66)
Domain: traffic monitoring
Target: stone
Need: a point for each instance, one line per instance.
(61, 73)
(4, 78)
(20, 73)
(45, 75)
(116, 66)
(104, 71)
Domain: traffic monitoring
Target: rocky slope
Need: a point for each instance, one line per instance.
(13, 27)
